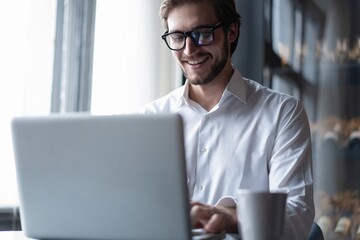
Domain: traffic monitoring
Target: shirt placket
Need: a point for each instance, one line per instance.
(200, 189)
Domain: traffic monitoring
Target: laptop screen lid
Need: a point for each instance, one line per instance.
(102, 177)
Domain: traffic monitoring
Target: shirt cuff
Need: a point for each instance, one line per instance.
(227, 201)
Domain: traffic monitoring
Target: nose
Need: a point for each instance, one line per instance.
(190, 47)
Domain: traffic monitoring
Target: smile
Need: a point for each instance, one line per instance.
(197, 61)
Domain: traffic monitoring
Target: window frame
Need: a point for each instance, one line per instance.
(74, 48)
(72, 72)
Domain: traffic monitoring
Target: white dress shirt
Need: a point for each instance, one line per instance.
(254, 138)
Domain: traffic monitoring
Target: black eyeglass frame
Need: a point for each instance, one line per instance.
(189, 34)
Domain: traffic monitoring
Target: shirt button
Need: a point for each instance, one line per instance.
(200, 187)
(203, 149)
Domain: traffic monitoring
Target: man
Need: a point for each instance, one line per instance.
(238, 134)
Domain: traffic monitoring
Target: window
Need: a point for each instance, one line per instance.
(46, 48)
(26, 60)
(132, 65)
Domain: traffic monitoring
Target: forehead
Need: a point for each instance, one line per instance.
(190, 15)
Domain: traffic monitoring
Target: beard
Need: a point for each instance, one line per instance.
(215, 69)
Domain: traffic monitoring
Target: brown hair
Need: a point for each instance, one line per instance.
(225, 11)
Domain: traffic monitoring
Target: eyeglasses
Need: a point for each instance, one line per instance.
(201, 36)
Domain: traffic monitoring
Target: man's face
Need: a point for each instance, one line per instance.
(200, 65)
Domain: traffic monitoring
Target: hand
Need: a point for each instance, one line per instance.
(213, 219)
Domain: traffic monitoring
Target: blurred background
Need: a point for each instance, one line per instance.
(107, 57)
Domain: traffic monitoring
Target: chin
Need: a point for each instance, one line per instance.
(199, 81)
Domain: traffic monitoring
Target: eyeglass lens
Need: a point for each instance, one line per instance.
(200, 37)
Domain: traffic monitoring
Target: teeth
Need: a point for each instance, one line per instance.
(194, 62)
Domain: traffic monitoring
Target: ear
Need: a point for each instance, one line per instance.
(233, 32)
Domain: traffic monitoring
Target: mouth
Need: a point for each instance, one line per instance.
(197, 61)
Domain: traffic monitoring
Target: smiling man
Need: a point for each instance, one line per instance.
(238, 134)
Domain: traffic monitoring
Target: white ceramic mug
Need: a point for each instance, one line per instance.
(260, 214)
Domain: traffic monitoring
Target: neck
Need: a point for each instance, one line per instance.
(208, 95)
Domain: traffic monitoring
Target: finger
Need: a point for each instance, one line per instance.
(193, 203)
(223, 219)
(200, 215)
(216, 223)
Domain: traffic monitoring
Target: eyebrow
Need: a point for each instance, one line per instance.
(197, 27)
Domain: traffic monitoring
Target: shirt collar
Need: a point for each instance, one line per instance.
(183, 97)
(235, 87)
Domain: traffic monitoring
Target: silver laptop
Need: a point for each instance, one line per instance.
(102, 177)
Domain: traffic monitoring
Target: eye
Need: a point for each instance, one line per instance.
(203, 36)
(202, 33)
(176, 37)
(206, 35)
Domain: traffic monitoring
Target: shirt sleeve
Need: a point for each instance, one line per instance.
(290, 169)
